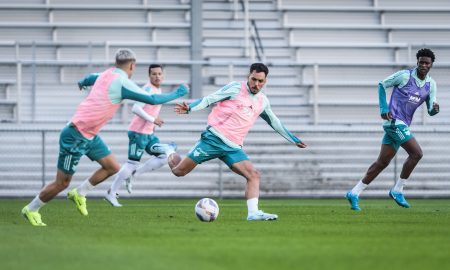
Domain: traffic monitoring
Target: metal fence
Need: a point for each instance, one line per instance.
(336, 158)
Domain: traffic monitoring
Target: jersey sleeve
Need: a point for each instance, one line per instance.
(139, 111)
(229, 91)
(273, 121)
(398, 79)
(384, 107)
(131, 90)
(89, 80)
(431, 98)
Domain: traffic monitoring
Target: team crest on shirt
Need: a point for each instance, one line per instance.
(247, 111)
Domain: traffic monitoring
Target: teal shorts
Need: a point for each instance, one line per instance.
(210, 147)
(139, 143)
(72, 146)
(396, 135)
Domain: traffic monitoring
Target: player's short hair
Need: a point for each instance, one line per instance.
(124, 56)
(425, 52)
(154, 66)
(259, 67)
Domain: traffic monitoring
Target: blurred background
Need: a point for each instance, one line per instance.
(325, 58)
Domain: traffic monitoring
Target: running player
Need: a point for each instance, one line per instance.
(80, 137)
(411, 88)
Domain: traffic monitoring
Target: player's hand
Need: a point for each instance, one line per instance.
(386, 116)
(435, 107)
(181, 108)
(81, 87)
(159, 122)
(182, 90)
(301, 145)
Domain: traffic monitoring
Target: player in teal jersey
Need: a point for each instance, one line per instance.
(411, 89)
(237, 106)
(80, 137)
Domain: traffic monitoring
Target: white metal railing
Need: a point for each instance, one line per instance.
(315, 84)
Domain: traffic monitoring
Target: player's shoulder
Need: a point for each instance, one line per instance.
(148, 88)
(403, 72)
(431, 80)
(264, 98)
(231, 87)
(233, 84)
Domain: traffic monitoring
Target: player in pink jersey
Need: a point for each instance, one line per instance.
(80, 137)
(238, 105)
(142, 139)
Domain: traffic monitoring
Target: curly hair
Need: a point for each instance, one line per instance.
(425, 52)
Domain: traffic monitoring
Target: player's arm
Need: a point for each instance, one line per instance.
(138, 109)
(432, 105)
(396, 79)
(132, 91)
(229, 91)
(276, 124)
(87, 81)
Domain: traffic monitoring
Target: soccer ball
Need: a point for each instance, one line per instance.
(207, 210)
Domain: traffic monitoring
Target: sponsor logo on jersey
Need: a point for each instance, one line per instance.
(199, 152)
(414, 99)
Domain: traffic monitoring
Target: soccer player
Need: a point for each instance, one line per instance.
(142, 138)
(79, 137)
(238, 105)
(411, 88)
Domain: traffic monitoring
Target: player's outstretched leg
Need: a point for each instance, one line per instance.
(80, 201)
(399, 198)
(353, 199)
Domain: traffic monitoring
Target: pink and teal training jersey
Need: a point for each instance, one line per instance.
(140, 125)
(109, 88)
(236, 111)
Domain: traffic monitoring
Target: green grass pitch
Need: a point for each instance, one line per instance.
(165, 234)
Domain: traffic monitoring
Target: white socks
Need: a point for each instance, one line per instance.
(35, 204)
(252, 205)
(151, 164)
(358, 188)
(399, 185)
(125, 172)
(85, 187)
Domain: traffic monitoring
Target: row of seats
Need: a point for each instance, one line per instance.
(222, 22)
(72, 38)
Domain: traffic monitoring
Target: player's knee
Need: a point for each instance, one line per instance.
(62, 185)
(417, 155)
(178, 172)
(254, 175)
(112, 169)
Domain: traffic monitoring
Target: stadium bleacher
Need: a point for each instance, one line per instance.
(325, 62)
